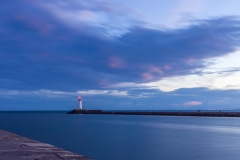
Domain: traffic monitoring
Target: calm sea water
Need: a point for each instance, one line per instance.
(128, 137)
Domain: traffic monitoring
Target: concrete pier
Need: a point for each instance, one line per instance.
(15, 147)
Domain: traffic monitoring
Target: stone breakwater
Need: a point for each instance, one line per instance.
(15, 147)
(162, 113)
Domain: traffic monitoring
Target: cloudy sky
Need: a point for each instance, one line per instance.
(120, 54)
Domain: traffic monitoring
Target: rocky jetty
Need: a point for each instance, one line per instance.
(162, 113)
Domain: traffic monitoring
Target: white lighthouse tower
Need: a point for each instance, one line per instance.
(79, 102)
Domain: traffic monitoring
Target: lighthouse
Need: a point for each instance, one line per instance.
(79, 102)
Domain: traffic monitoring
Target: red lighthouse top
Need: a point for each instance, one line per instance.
(79, 98)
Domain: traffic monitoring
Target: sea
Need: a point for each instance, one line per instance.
(131, 137)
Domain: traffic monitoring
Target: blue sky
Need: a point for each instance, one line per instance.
(128, 54)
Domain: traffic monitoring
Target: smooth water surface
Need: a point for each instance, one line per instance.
(129, 137)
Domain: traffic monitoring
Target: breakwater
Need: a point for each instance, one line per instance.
(14, 147)
(159, 113)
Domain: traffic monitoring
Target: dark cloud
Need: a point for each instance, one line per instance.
(42, 49)
(178, 51)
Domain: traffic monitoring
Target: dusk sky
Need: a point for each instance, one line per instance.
(120, 54)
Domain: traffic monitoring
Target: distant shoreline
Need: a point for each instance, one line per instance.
(161, 113)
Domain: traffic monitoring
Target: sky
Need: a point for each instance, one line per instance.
(120, 54)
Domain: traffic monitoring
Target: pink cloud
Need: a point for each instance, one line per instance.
(38, 23)
(115, 62)
(153, 69)
(168, 67)
(147, 76)
(87, 15)
(192, 103)
(152, 73)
